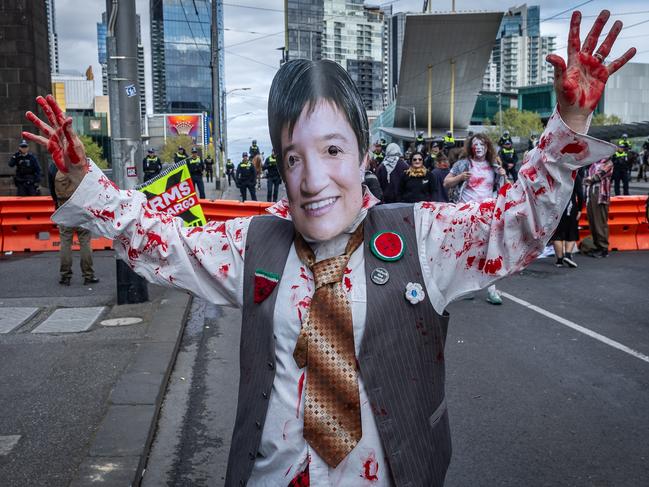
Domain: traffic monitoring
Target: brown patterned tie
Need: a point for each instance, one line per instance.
(332, 412)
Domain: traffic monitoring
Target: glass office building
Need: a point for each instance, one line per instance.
(180, 56)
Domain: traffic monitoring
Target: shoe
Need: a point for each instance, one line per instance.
(90, 280)
(494, 298)
(559, 262)
(64, 281)
(600, 254)
(571, 263)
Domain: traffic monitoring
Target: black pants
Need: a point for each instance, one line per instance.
(198, 184)
(27, 189)
(209, 174)
(230, 178)
(621, 174)
(249, 187)
(273, 189)
(512, 173)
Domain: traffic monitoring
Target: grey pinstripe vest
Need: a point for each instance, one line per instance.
(401, 359)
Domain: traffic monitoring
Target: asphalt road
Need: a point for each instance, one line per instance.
(532, 401)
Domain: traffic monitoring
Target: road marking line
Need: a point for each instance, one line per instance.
(576, 327)
(7, 444)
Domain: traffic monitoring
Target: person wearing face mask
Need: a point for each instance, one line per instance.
(390, 173)
(330, 283)
(480, 177)
(415, 184)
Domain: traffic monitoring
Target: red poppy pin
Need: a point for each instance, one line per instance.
(265, 282)
(387, 246)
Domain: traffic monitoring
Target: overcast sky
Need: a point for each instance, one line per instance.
(254, 31)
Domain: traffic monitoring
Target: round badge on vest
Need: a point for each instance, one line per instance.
(387, 246)
(380, 276)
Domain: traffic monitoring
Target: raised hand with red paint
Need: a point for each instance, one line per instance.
(60, 139)
(580, 84)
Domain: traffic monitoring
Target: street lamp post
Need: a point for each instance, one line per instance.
(224, 129)
(414, 117)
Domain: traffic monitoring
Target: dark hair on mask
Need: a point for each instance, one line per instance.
(467, 151)
(303, 83)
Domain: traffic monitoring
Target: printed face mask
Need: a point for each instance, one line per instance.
(479, 148)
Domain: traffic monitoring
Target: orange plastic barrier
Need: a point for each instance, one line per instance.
(221, 210)
(25, 226)
(627, 223)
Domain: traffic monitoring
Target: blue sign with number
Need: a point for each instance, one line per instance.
(131, 91)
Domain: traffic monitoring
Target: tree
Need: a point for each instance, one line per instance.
(171, 147)
(93, 151)
(604, 119)
(518, 123)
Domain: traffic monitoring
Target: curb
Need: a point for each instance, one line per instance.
(118, 452)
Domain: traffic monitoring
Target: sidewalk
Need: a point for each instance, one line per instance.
(232, 192)
(80, 396)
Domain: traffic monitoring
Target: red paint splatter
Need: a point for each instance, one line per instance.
(492, 266)
(301, 479)
(475, 182)
(105, 215)
(194, 230)
(498, 214)
(575, 147)
(529, 172)
(503, 190)
(153, 241)
(220, 228)
(469, 261)
(133, 254)
(279, 209)
(106, 183)
(348, 284)
(487, 206)
(289, 468)
(464, 207)
(300, 388)
(223, 271)
(428, 205)
(540, 191)
(481, 263)
(370, 468)
(238, 235)
(551, 181)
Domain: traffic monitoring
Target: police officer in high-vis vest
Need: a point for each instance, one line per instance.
(621, 169)
(624, 143)
(273, 178)
(449, 141)
(509, 158)
(196, 167)
(420, 142)
(152, 165)
(246, 178)
(28, 171)
(254, 150)
(180, 155)
(209, 168)
(229, 172)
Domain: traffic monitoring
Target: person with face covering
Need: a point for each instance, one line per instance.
(390, 173)
(336, 381)
(480, 177)
(415, 183)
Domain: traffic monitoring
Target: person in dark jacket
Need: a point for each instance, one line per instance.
(371, 181)
(509, 159)
(209, 168)
(566, 235)
(246, 178)
(621, 170)
(196, 167)
(273, 178)
(437, 176)
(254, 150)
(390, 173)
(415, 185)
(152, 165)
(28, 171)
(180, 155)
(229, 172)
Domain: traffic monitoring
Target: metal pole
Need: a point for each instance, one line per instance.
(224, 129)
(430, 99)
(217, 135)
(126, 130)
(286, 30)
(452, 94)
(500, 112)
(414, 122)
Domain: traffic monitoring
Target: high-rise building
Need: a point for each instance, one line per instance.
(353, 37)
(519, 52)
(305, 25)
(394, 34)
(180, 56)
(53, 37)
(102, 56)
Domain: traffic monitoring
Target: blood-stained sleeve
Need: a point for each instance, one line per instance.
(466, 246)
(207, 261)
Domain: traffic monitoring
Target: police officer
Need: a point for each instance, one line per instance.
(151, 164)
(430, 162)
(180, 155)
(254, 150)
(28, 171)
(624, 143)
(504, 138)
(509, 158)
(209, 168)
(420, 143)
(621, 169)
(246, 178)
(229, 172)
(384, 145)
(196, 167)
(449, 141)
(644, 164)
(273, 178)
(377, 154)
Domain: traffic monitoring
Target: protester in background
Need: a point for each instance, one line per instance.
(209, 168)
(273, 177)
(437, 176)
(28, 171)
(415, 185)
(151, 165)
(598, 196)
(621, 169)
(61, 189)
(390, 173)
(480, 177)
(643, 170)
(431, 158)
(566, 235)
(371, 181)
(246, 178)
(509, 159)
(229, 172)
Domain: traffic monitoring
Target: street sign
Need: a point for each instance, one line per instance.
(130, 91)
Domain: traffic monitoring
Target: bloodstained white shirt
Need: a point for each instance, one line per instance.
(462, 248)
(480, 186)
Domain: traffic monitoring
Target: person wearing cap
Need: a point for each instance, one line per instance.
(420, 142)
(273, 177)
(509, 159)
(621, 169)
(209, 168)
(151, 164)
(196, 168)
(504, 138)
(449, 141)
(229, 172)
(624, 143)
(28, 171)
(643, 171)
(254, 150)
(246, 178)
(180, 155)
